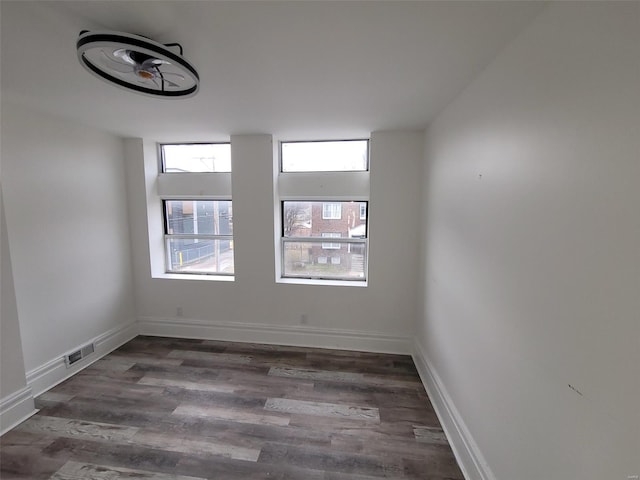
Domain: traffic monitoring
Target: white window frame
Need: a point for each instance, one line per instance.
(318, 186)
(281, 168)
(202, 186)
(191, 236)
(338, 241)
(163, 166)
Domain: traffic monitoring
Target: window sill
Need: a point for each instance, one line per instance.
(317, 281)
(206, 278)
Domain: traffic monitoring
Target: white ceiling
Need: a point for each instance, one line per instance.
(299, 70)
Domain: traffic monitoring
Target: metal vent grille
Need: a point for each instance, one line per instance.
(78, 355)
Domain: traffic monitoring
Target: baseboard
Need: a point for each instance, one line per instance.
(465, 449)
(53, 372)
(16, 408)
(301, 336)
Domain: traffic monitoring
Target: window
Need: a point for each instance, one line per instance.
(195, 215)
(325, 156)
(331, 211)
(196, 158)
(322, 193)
(199, 236)
(331, 246)
(306, 255)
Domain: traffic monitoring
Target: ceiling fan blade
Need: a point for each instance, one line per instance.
(165, 81)
(158, 61)
(170, 83)
(179, 77)
(145, 81)
(115, 65)
(123, 53)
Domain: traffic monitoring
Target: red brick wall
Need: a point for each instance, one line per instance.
(349, 219)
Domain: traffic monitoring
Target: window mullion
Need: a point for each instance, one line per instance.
(324, 239)
(203, 236)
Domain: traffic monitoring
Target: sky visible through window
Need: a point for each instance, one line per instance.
(338, 156)
(205, 157)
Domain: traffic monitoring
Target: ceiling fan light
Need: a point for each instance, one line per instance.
(137, 64)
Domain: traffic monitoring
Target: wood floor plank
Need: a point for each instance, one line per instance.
(182, 444)
(55, 397)
(329, 460)
(228, 469)
(94, 413)
(129, 401)
(169, 408)
(27, 462)
(97, 385)
(415, 415)
(433, 435)
(64, 427)
(286, 405)
(116, 455)
(215, 399)
(185, 384)
(310, 374)
(86, 471)
(344, 397)
(226, 365)
(146, 358)
(231, 414)
(435, 466)
(244, 434)
(113, 364)
(386, 445)
(210, 356)
(352, 426)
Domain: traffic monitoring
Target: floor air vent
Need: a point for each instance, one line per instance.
(74, 357)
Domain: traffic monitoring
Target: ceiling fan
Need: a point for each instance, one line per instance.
(138, 63)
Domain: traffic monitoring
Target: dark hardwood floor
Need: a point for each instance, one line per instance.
(162, 408)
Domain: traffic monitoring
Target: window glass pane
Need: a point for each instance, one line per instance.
(322, 219)
(196, 157)
(194, 255)
(312, 260)
(208, 217)
(340, 156)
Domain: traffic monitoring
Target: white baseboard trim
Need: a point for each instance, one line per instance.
(16, 408)
(300, 336)
(53, 372)
(470, 459)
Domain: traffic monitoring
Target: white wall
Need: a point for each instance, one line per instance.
(12, 376)
(65, 202)
(16, 400)
(256, 308)
(531, 279)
